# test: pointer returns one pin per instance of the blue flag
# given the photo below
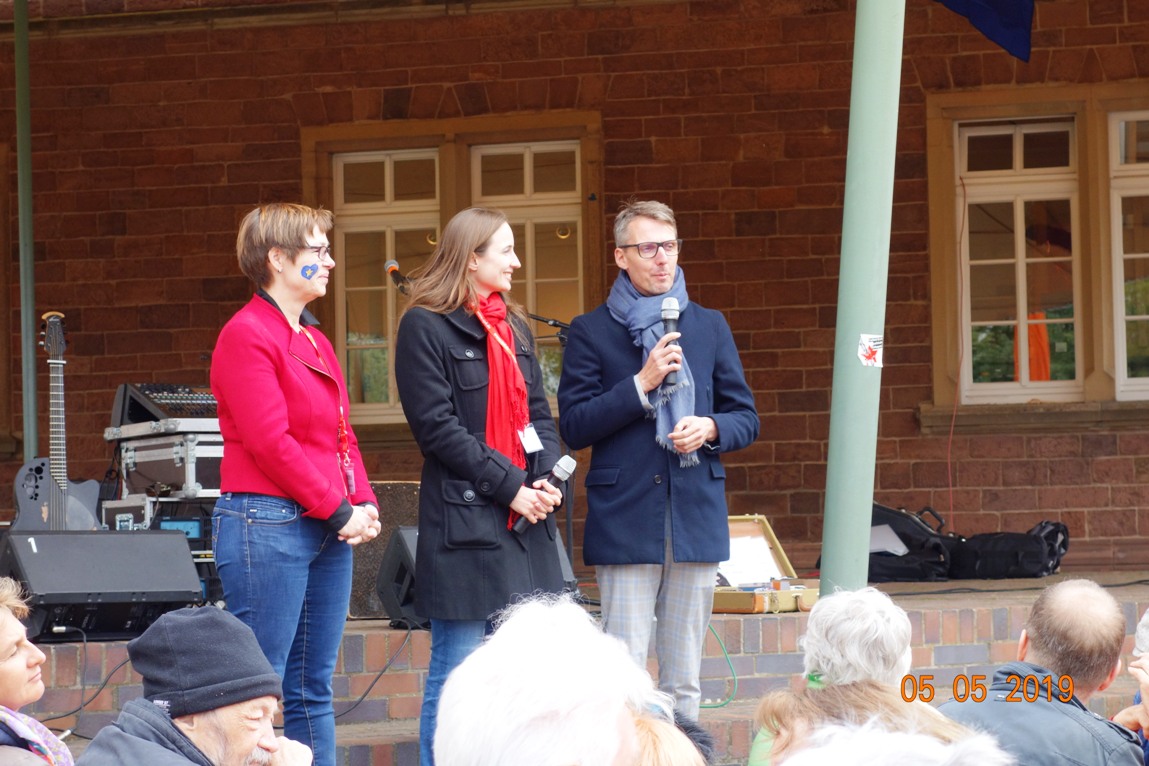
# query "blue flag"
(1007, 22)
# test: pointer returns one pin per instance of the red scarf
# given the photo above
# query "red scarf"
(507, 411)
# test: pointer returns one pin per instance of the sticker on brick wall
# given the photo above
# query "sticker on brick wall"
(870, 350)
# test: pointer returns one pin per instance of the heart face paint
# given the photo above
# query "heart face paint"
(309, 271)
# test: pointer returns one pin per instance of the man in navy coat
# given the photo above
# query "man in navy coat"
(656, 525)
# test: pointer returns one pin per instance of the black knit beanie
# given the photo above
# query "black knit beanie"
(199, 659)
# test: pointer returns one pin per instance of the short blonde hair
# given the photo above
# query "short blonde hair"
(661, 743)
(635, 208)
(12, 597)
(280, 224)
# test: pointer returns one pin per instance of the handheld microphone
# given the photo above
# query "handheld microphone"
(670, 324)
(562, 471)
(392, 268)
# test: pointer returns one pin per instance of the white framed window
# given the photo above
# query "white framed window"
(1129, 232)
(537, 186)
(389, 206)
(1037, 255)
(1020, 285)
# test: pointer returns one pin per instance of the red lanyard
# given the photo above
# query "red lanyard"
(491, 331)
(341, 428)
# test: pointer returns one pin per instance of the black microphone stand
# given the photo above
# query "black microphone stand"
(561, 328)
(562, 333)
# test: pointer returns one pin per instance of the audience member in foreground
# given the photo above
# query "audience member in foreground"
(661, 743)
(1136, 717)
(1069, 650)
(871, 745)
(23, 739)
(210, 696)
(856, 652)
(547, 688)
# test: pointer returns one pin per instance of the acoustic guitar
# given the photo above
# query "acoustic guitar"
(45, 498)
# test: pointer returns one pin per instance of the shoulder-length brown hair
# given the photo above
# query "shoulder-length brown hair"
(444, 283)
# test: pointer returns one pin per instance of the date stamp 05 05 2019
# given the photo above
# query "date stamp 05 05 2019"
(973, 688)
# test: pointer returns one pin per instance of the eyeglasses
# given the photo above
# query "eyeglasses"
(321, 251)
(647, 250)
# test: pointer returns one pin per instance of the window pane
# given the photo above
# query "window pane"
(363, 257)
(1051, 351)
(551, 361)
(993, 354)
(415, 179)
(1137, 349)
(367, 379)
(1049, 267)
(989, 152)
(1134, 137)
(413, 247)
(557, 300)
(556, 250)
(519, 282)
(1135, 225)
(554, 171)
(1136, 287)
(1048, 226)
(993, 293)
(1045, 149)
(365, 182)
(366, 320)
(501, 174)
(991, 232)
(1049, 289)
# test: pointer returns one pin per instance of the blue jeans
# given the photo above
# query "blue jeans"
(451, 642)
(289, 579)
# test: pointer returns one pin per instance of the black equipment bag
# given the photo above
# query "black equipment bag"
(996, 555)
(928, 558)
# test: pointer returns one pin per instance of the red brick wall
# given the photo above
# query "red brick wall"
(149, 147)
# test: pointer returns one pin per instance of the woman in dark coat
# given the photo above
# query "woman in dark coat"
(473, 395)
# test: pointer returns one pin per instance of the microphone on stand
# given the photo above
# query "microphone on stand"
(392, 268)
(562, 471)
(670, 324)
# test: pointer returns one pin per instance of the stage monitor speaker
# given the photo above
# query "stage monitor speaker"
(401, 499)
(110, 585)
(395, 582)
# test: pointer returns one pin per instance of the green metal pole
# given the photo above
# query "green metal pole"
(28, 327)
(874, 93)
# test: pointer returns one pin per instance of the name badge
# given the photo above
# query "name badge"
(530, 439)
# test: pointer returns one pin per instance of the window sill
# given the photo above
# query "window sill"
(1041, 417)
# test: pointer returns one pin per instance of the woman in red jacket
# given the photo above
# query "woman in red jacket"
(294, 493)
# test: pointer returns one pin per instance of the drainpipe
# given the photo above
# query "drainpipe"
(28, 327)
